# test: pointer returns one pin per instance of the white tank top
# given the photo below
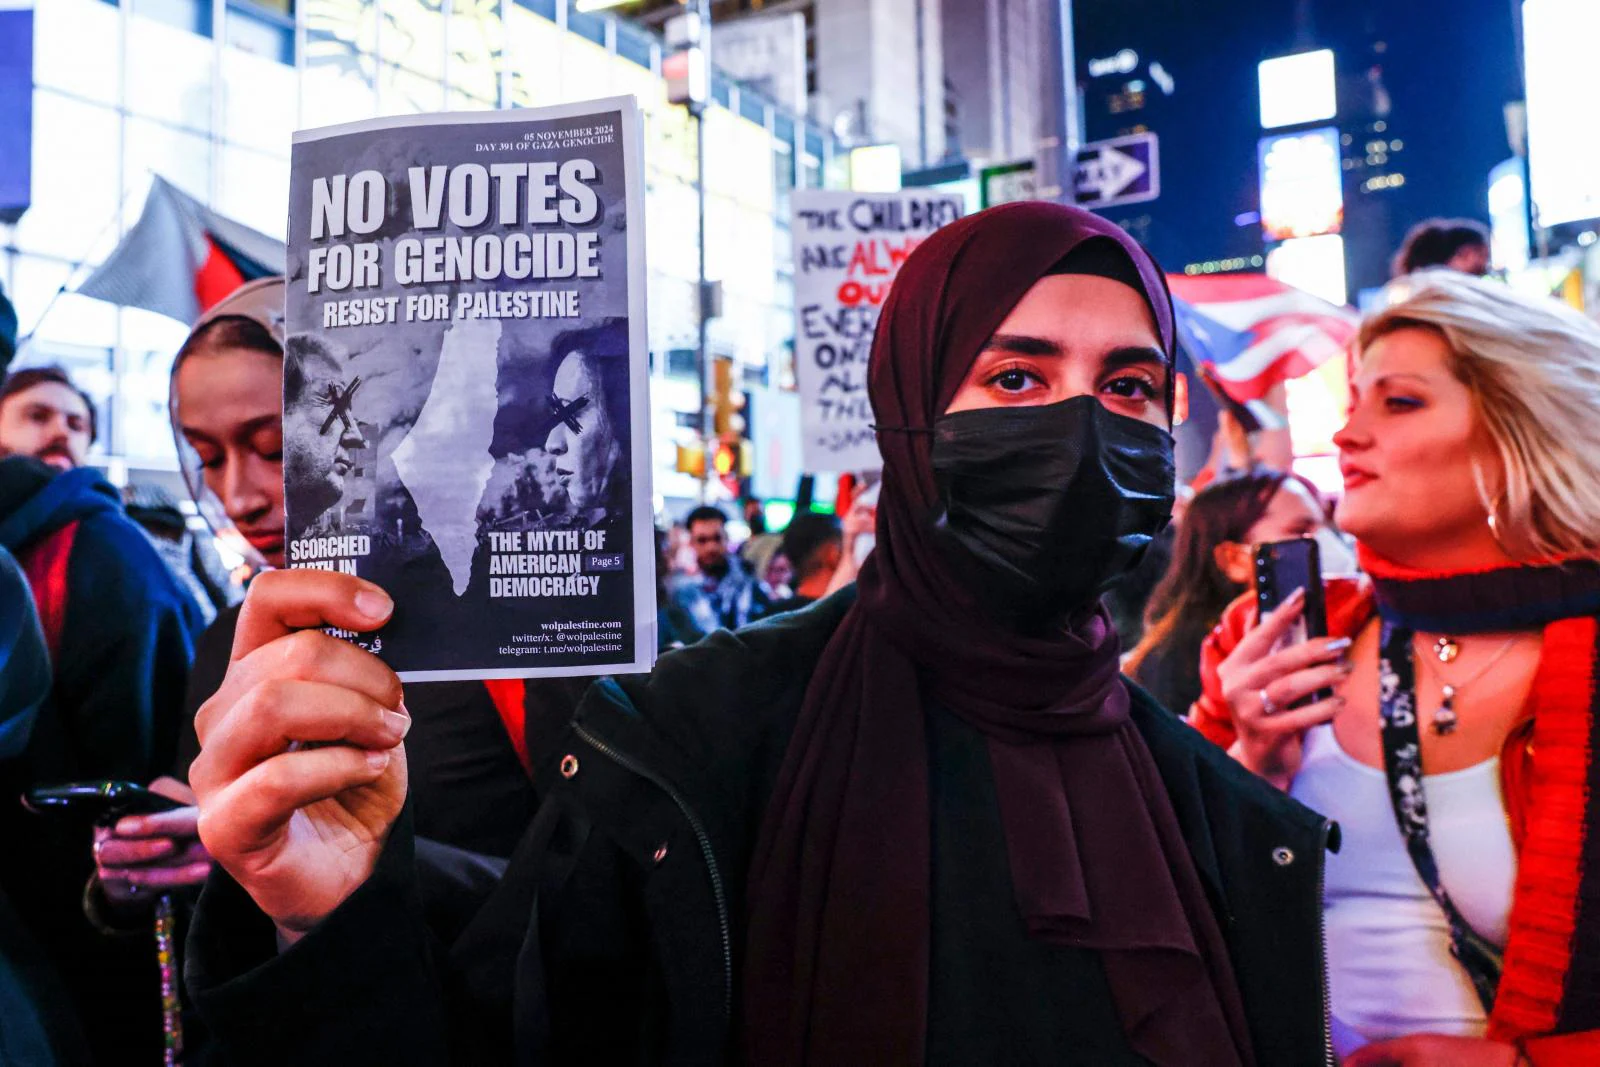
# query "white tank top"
(1389, 965)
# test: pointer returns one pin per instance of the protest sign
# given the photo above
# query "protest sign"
(848, 248)
(466, 417)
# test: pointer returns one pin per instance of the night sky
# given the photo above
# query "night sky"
(1448, 70)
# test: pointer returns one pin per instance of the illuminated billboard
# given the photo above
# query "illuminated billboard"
(1314, 264)
(1297, 89)
(1302, 186)
(1508, 215)
(1563, 137)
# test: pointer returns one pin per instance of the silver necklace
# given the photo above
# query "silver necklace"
(1445, 650)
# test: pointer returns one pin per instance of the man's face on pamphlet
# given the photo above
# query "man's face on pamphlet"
(582, 440)
(326, 419)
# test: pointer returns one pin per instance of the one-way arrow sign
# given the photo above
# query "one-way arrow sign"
(1122, 170)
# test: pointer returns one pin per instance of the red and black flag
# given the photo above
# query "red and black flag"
(181, 257)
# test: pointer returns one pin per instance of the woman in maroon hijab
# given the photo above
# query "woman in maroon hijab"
(924, 821)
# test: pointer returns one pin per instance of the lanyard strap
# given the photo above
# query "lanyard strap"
(1402, 765)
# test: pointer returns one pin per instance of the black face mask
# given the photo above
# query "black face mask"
(1052, 503)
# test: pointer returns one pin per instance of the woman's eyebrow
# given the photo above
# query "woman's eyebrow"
(1023, 345)
(1399, 376)
(260, 422)
(1133, 355)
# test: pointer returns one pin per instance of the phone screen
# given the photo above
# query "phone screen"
(108, 799)
(1281, 568)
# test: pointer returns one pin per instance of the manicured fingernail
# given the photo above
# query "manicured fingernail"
(374, 603)
(132, 826)
(377, 760)
(396, 722)
(1338, 645)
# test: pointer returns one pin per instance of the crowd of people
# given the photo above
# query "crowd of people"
(901, 789)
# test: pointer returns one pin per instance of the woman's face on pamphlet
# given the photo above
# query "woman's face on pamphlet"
(582, 441)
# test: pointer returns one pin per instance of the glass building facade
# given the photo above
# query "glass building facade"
(206, 93)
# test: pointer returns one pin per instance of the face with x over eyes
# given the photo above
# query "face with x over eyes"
(583, 440)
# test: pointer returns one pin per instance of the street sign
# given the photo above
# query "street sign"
(1007, 182)
(1122, 170)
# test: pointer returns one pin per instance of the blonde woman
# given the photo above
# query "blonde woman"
(1449, 723)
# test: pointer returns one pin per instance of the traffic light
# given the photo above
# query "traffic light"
(726, 400)
(733, 461)
(692, 459)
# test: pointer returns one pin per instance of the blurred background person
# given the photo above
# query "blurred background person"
(1455, 750)
(722, 594)
(44, 415)
(814, 545)
(763, 556)
(671, 624)
(680, 550)
(1459, 244)
(1211, 565)
(755, 516)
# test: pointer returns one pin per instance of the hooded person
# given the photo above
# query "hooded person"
(922, 821)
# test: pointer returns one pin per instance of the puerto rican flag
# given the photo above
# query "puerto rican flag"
(1254, 331)
(181, 257)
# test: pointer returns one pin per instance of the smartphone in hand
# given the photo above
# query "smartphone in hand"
(1281, 568)
(104, 801)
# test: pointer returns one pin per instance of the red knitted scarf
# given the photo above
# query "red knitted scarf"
(1551, 982)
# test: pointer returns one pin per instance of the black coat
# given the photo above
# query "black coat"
(614, 933)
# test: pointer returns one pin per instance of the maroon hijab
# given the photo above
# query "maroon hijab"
(836, 964)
